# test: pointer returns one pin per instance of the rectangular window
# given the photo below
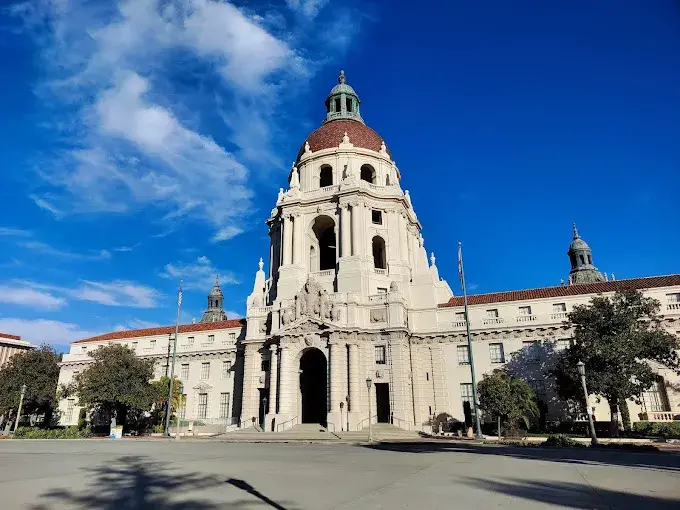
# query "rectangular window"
(463, 354)
(205, 371)
(202, 405)
(224, 405)
(183, 374)
(84, 349)
(655, 398)
(152, 344)
(382, 290)
(211, 339)
(531, 351)
(380, 354)
(466, 392)
(134, 347)
(673, 298)
(539, 389)
(264, 365)
(496, 353)
(563, 343)
(559, 307)
(337, 105)
(190, 341)
(525, 310)
(348, 104)
(226, 369)
(492, 314)
(427, 376)
(376, 217)
(232, 336)
(183, 409)
(70, 404)
(460, 316)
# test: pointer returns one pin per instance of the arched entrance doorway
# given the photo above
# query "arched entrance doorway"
(313, 387)
(322, 252)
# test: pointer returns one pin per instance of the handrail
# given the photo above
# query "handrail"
(360, 425)
(279, 426)
(249, 420)
(402, 424)
(328, 424)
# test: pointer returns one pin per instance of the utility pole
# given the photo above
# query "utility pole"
(172, 366)
(21, 403)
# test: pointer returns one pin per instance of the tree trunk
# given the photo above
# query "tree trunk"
(499, 427)
(625, 415)
(614, 420)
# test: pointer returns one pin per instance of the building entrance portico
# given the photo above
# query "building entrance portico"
(313, 387)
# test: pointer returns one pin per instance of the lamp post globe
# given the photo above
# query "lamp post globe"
(581, 368)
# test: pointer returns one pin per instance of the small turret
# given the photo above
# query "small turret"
(215, 311)
(581, 259)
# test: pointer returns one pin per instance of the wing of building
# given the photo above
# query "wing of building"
(351, 300)
(10, 345)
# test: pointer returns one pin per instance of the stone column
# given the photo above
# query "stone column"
(287, 240)
(297, 238)
(287, 378)
(355, 229)
(335, 376)
(273, 380)
(354, 378)
(345, 242)
(251, 372)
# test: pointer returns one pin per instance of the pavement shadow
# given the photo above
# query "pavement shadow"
(662, 461)
(137, 483)
(572, 495)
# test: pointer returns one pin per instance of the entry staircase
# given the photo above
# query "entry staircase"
(317, 433)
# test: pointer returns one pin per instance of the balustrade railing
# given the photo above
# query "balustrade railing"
(558, 316)
(380, 271)
(377, 298)
(261, 310)
(525, 318)
(492, 320)
(673, 306)
(457, 324)
(323, 191)
(324, 273)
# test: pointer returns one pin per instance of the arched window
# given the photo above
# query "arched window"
(379, 261)
(590, 261)
(326, 176)
(368, 173)
(581, 257)
(387, 183)
(348, 104)
(324, 233)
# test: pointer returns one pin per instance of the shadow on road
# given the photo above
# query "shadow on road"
(663, 461)
(136, 483)
(573, 495)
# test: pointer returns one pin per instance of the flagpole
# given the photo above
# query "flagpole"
(461, 272)
(172, 365)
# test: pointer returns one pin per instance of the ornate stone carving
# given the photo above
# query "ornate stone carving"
(313, 301)
(288, 315)
(378, 315)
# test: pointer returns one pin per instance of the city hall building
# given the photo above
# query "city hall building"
(352, 313)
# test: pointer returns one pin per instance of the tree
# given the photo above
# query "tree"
(160, 390)
(116, 383)
(508, 398)
(38, 369)
(616, 338)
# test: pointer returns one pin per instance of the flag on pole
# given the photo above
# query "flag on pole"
(460, 262)
(179, 297)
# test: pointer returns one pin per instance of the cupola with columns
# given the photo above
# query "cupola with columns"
(581, 260)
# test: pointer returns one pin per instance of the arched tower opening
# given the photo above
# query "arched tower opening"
(379, 259)
(325, 176)
(368, 173)
(324, 245)
(313, 387)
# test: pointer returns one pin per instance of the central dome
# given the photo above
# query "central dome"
(330, 135)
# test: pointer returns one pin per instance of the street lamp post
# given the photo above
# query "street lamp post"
(582, 373)
(369, 383)
(342, 423)
(21, 403)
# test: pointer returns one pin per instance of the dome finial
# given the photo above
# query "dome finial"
(341, 77)
(217, 281)
(576, 236)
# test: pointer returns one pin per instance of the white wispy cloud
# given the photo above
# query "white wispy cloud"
(132, 139)
(126, 248)
(65, 254)
(136, 324)
(39, 331)
(14, 232)
(25, 296)
(199, 274)
(114, 293)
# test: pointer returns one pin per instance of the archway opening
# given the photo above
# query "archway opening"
(368, 173)
(313, 387)
(326, 176)
(379, 259)
(324, 231)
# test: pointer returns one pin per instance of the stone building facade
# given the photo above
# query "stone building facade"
(11, 345)
(352, 306)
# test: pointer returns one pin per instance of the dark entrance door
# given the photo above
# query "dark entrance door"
(382, 402)
(264, 397)
(313, 386)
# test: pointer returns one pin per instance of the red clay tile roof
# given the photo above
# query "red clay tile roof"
(567, 290)
(166, 330)
(330, 135)
(11, 337)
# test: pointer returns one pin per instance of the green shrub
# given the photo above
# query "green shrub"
(666, 430)
(562, 441)
(82, 419)
(60, 433)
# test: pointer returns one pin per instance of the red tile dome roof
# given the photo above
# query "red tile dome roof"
(330, 135)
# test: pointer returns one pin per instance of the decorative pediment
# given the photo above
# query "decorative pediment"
(304, 326)
(203, 386)
(312, 301)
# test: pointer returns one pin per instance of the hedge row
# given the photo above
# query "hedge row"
(665, 430)
(61, 433)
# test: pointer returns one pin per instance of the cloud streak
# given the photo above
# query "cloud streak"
(199, 274)
(39, 331)
(23, 296)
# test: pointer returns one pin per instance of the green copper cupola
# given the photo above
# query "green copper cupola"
(343, 102)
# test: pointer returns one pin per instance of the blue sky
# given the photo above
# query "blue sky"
(145, 141)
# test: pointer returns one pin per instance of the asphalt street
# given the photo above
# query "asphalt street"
(197, 474)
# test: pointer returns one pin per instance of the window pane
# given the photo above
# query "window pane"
(496, 353)
(226, 369)
(531, 350)
(559, 307)
(184, 373)
(492, 314)
(224, 405)
(205, 370)
(466, 392)
(380, 354)
(202, 405)
(463, 354)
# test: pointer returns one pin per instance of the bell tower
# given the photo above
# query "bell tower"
(581, 260)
